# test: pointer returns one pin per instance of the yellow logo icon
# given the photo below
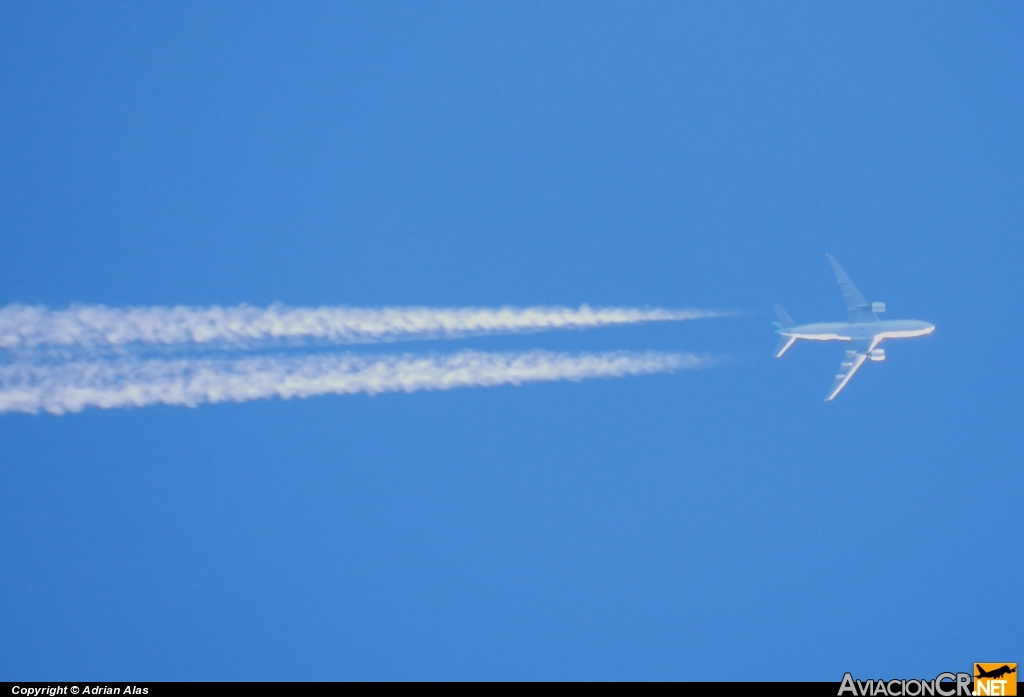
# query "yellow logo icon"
(995, 679)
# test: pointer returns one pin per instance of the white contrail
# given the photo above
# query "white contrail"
(97, 326)
(122, 382)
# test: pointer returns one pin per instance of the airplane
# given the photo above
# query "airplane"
(862, 328)
(997, 673)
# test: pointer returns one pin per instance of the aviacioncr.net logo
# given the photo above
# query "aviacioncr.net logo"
(995, 679)
(942, 685)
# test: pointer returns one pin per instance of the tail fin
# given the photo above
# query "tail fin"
(784, 319)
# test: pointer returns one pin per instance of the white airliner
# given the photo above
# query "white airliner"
(862, 328)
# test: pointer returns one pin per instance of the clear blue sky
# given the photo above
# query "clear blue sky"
(663, 154)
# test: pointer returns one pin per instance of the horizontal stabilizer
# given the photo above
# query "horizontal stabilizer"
(784, 319)
(784, 344)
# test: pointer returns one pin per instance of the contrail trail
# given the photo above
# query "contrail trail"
(97, 326)
(126, 381)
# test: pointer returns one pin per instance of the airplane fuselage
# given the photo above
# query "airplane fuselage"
(860, 331)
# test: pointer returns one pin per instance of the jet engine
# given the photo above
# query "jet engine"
(878, 355)
(878, 308)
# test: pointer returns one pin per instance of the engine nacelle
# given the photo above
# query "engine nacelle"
(877, 355)
(878, 308)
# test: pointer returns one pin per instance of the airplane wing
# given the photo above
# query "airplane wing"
(857, 308)
(853, 360)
